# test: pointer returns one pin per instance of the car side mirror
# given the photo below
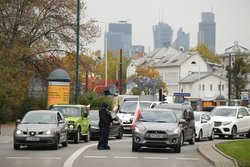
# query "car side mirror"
(203, 121)
(18, 121)
(85, 114)
(240, 116)
(61, 122)
(182, 121)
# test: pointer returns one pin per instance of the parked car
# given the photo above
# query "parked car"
(204, 126)
(116, 129)
(230, 121)
(183, 112)
(39, 128)
(158, 128)
(77, 117)
(127, 111)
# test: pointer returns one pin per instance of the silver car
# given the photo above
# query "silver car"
(41, 127)
(157, 128)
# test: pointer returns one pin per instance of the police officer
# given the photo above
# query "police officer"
(104, 123)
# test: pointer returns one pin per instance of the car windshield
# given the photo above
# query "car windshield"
(68, 111)
(129, 107)
(145, 105)
(197, 117)
(158, 116)
(39, 118)
(226, 112)
(94, 115)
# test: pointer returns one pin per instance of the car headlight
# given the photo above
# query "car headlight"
(71, 126)
(177, 131)
(227, 122)
(139, 129)
(48, 132)
(18, 132)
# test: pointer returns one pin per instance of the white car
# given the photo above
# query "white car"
(204, 126)
(231, 120)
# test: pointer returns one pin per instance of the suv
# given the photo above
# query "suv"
(230, 121)
(77, 117)
(183, 112)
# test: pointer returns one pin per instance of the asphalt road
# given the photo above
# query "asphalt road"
(86, 155)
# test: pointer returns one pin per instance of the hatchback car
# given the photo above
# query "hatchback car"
(204, 126)
(115, 130)
(41, 127)
(77, 117)
(158, 128)
(183, 112)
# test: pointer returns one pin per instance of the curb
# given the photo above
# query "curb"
(226, 156)
(205, 156)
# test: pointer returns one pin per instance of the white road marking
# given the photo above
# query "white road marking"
(189, 159)
(69, 162)
(95, 156)
(50, 158)
(18, 157)
(126, 157)
(157, 158)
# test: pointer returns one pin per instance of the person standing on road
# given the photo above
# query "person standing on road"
(104, 123)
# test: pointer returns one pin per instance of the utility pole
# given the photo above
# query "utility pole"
(120, 71)
(229, 80)
(77, 51)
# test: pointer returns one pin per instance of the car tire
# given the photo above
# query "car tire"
(65, 144)
(233, 132)
(87, 137)
(200, 136)
(120, 134)
(177, 148)
(248, 135)
(16, 147)
(135, 147)
(192, 141)
(212, 135)
(77, 136)
(182, 139)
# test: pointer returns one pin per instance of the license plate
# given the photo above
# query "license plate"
(126, 127)
(156, 136)
(32, 139)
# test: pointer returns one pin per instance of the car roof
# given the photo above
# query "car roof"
(233, 107)
(43, 111)
(173, 106)
(156, 109)
(68, 105)
(201, 112)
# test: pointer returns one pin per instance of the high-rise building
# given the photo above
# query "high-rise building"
(119, 37)
(207, 31)
(163, 35)
(182, 40)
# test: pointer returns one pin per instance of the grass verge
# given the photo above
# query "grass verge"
(239, 150)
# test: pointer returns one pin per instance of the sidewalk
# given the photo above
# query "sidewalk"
(7, 130)
(210, 152)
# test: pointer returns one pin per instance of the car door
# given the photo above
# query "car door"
(210, 125)
(114, 128)
(84, 120)
(245, 120)
(240, 121)
(187, 126)
(61, 127)
(204, 125)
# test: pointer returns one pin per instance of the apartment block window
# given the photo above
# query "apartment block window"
(199, 87)
(203, 87)
(211, 87)
(222, 87)
(219, 87)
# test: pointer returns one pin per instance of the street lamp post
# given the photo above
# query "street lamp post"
(77, 51)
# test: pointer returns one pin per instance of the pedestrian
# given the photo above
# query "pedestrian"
(104, 123)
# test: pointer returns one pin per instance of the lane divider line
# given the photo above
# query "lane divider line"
(50, 158)
(156, 158)
(126, 157)
(189, 159)
(18, 157)
(95, 156)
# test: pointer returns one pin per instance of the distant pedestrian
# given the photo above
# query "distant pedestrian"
(104, 123)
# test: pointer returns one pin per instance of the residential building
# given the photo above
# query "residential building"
(182, 40)
(119, 37)
(163, 35)
(207, 31)
(137, 49)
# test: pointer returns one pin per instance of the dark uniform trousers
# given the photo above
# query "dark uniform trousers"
(104, 135)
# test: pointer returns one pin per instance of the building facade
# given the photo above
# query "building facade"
(182, 40)
(207, 31)
(163, 35)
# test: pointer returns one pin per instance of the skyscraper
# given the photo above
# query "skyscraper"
(163, 35)
(119, 37)
(207, 31)
(182, 40)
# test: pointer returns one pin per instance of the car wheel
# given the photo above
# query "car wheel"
(16, 147)
(200, 136)
(182, 138)
(135, 147)
(120, 134)
(87, 137)
(192, 141)
(248, 135)
(77, 136)
(65, 144)
(212, 135)
(233, 132)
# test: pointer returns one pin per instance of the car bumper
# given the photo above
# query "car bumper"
(94, 132)
(35, 141)
(127, 128)
(169, 141)
(223, 130)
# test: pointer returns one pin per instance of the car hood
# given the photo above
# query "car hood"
(94, 122)
(221, 118)
(158, 126)
(75, 119)
(125, 117)
(36, 127)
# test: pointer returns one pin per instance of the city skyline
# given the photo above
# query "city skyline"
(231, 19)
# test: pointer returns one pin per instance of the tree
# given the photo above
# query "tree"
(147, 79)
(204, 51)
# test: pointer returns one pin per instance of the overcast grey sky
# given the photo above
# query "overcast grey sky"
(232, 19)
